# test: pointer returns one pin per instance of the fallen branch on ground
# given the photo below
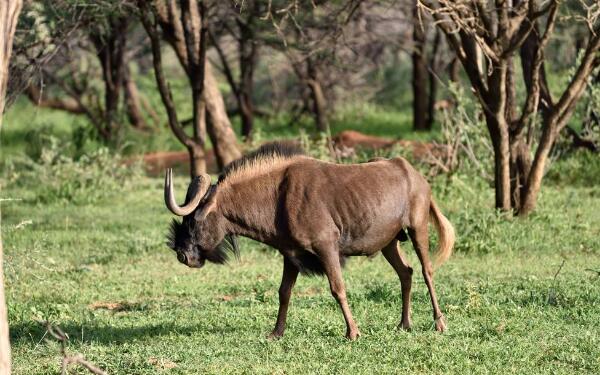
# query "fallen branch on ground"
(67, 359)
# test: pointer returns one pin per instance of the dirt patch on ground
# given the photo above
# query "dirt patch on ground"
(156, 162)
(162, 363)
(114, 306)
(355, 139)
(345, 144)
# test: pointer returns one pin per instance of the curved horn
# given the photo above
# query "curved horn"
(199, 186)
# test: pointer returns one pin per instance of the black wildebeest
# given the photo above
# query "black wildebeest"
(315, 213)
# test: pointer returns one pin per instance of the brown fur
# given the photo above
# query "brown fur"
(317, 213)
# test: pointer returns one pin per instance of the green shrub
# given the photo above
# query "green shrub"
(57, 176)
(580, 168)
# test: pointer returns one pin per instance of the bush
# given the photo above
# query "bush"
(56, 176)
(580, 168)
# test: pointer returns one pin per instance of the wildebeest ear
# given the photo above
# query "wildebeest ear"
(206, 208)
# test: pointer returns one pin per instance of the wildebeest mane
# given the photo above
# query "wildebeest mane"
(177, 234)
(180, 232)
(265, 153)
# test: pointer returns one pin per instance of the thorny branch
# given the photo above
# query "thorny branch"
(67, 359)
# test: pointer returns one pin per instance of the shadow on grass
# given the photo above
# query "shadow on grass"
(33, 333)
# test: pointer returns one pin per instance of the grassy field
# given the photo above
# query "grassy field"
(520, 295)
(101, 271)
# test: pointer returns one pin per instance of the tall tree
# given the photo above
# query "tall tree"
(424, 71)
(419, 72)
(69, 46)
(498, 31)
(241, 23)
(9, 14)
(184, 26)
(110, 44)
(309, 35)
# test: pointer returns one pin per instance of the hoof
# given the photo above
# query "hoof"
(275, 335)
(353, 335)
(405, 326)
(440, 324)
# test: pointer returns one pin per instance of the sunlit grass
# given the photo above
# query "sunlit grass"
(506, 310)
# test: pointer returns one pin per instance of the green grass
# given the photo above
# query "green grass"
(27, 127)
(505, 309)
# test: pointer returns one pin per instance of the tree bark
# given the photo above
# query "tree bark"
(197, 160)
(319, 103)
(433, 79)
(110, 49)
(419, 77)
(454, 70)
(498, 129)
(503, 29)
(192, 56)
(35, 95)
(219, 128)
(500, 141)
(520, 165)
(248, 56)
(133, 102)
(519, 153)
(9, 15)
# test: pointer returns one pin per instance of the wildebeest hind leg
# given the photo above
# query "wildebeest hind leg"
(420, 240)
(398, 261)
(333, 269)
(290, 274)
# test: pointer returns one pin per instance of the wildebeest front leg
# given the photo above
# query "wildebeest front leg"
(396, 259)
(333, 269)
(420, 240)
(290, 274)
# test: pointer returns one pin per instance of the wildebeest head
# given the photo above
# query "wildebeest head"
(199, 236)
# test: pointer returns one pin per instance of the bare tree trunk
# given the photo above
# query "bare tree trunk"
(511, 136)
(133, 102)
(318, 98)
(197, 160)
(419, 77)
(498, 128)
(248, 57)
(189, 39)
(219, 128)
(518, 150)
(556, 121)
(433, 79)
(189, 42)
(9, 15)
(454, 70)
(520, 165)
(527, 52)
(36, 96)
(499, 134)
(110, 49)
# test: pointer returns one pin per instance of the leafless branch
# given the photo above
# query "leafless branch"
(163, 86)
(69, 359)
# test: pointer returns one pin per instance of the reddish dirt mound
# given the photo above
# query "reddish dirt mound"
(156, 162)
(354, 139)
(348, 141)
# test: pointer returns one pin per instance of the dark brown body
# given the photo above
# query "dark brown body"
(311, 203)
(316, 213)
